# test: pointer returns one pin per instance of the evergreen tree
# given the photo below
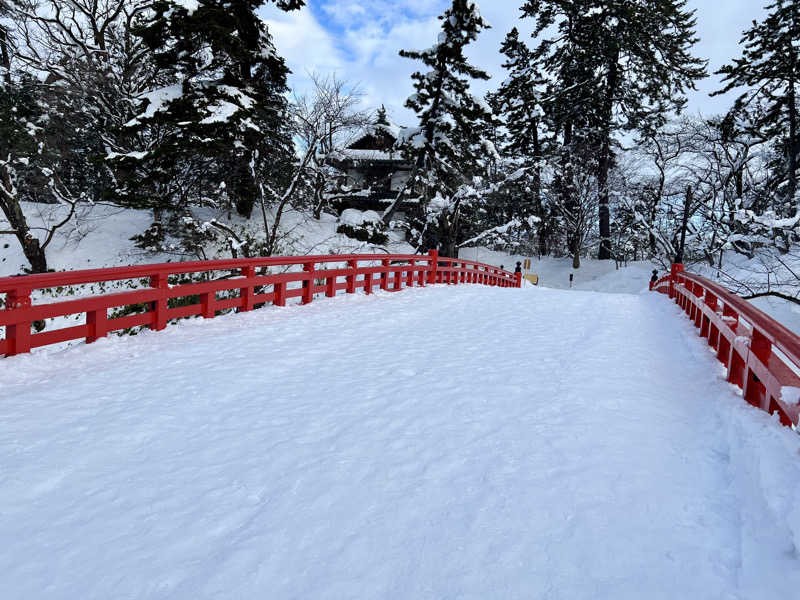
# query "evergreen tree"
(518, 101)
(638, 54)
(447, 149)
(229, 104)
(382, 118)
(769, 67)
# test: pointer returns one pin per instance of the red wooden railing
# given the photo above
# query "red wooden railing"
(248, 283)
(761, 355)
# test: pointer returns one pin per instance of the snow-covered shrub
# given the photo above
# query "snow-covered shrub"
(365, 226)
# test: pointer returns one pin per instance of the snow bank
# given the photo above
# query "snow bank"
(356, 218)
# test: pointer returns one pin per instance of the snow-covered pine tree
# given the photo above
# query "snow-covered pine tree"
(447, 149)
(381, 118)
(519, 104)
(570, 114)
(640, 51)
(769, 68)
(228, 104)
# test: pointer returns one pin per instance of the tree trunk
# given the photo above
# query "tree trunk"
(568, 190)
(604, 162)
(684, 224)
(5, 59)
(31, 246)
(792, 147)
(319, 196)
(541, 226)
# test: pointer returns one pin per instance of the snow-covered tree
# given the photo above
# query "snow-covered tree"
(637, 65)
(768, 71)
(228, 102)
(519, 103)
(447, 148)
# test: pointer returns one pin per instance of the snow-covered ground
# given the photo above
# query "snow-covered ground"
(604, 276)
(451, 442)
(593, 275)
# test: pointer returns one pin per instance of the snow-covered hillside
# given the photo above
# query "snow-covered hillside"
(537, 451)
(101, 237)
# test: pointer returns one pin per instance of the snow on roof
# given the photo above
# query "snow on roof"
(369, 154)
(376, 129)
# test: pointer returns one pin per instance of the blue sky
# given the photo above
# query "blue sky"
(359, 41)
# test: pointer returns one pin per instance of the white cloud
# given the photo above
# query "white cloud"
(360, 40)
(305, 44)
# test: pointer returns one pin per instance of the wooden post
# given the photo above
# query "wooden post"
(247, 293)
(279, 294)
(434, 266)
(97, 320)
(330, 286)
(19, 333)
(160, 281)
(308, 284)
(385, 274)
(351, 277)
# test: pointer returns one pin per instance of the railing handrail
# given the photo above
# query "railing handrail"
(77, 277)
(747, 353)
(778, 334)
(393, 271)
(82, 276)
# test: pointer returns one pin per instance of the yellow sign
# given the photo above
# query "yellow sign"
(527, 264)
(533, 278)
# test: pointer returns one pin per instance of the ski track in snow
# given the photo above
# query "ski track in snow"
(451, 442)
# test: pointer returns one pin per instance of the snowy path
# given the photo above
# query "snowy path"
(459, 442)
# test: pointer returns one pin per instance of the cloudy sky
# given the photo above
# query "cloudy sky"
(359, 41)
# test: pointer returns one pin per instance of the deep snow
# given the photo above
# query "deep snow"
(451, 442)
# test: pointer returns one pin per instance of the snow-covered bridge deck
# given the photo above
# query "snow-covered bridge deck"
(446, 442)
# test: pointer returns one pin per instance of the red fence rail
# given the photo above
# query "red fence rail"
(761, 355)
(245, 285)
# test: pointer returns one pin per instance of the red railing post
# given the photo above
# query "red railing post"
(308, 284)
(398, 281)
(208, 302)
(330, 286)
(247, 293)
(159, 281)
(434, 266)
(351, 277)
(385, 263)
(279, 293)
(97, 320)
(19, 333)
(518, 280)
(368, 279)
(673, 276)
(754, 390)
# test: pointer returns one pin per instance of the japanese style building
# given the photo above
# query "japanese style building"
(374, 172)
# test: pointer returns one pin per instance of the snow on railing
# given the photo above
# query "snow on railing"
(761, 355)
(162, 292)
